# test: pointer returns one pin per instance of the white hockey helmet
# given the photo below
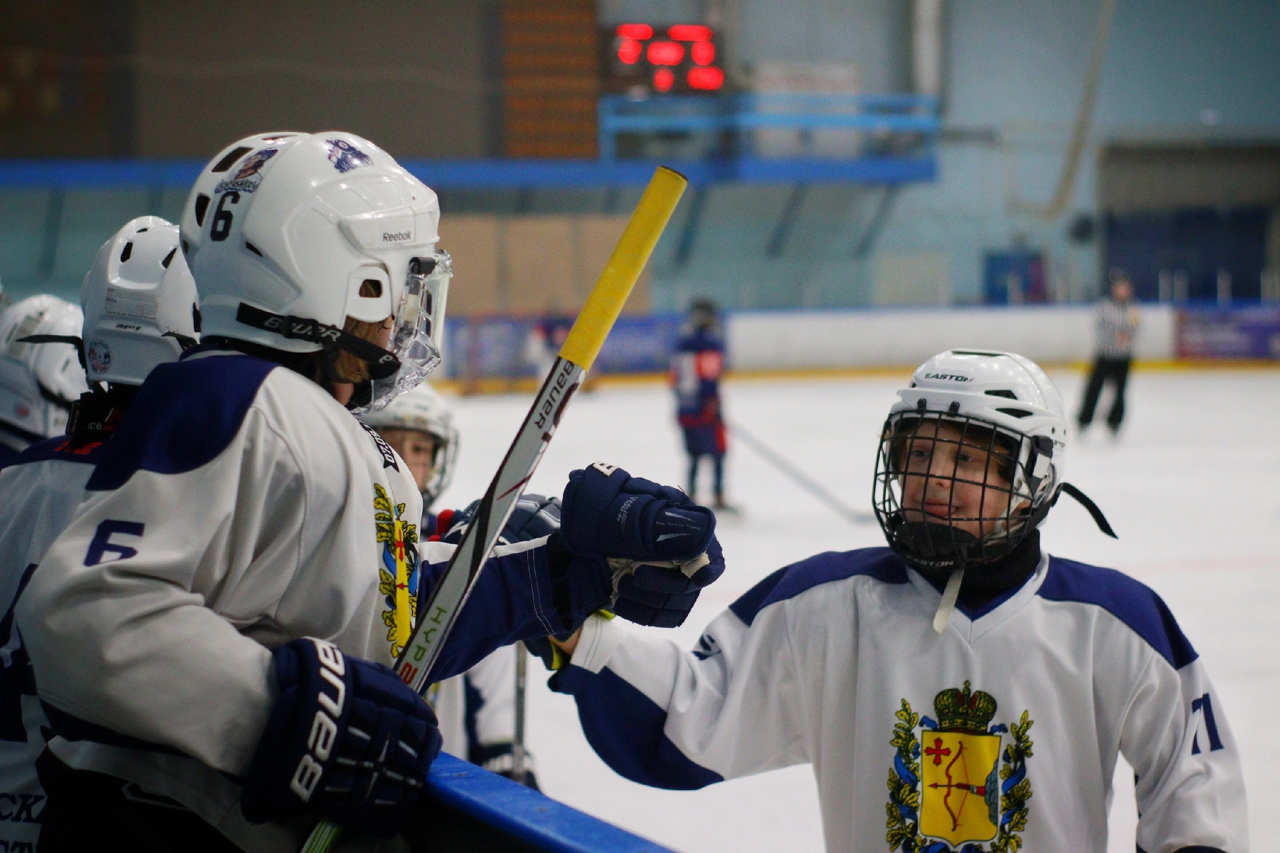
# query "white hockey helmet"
(1000, 401)
(289, 234)
(423, 409)
(39, 383)
(139, 303)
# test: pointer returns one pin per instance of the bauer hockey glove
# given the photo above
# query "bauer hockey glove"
(641, 550)
(346, 739)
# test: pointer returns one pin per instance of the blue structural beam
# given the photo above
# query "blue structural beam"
(538, 821)
(494, 174)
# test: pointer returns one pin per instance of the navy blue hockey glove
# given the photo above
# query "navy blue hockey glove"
(347, 739)
(641, 550)
(534, 516)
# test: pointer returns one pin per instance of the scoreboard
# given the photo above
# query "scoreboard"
(643, 59)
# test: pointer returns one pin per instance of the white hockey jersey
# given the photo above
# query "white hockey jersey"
(39, 491)
(477, 709)
(237, 508)
(1006, 727)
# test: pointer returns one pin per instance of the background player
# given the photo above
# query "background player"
(41, 488)
(211, 627)
(38, 384)
(477, 709)
(998, 726)
(696, 368)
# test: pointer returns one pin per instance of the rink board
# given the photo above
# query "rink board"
(478, 811)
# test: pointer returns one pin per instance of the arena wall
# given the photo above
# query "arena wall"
(896, 337)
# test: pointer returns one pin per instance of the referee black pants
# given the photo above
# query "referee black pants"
(1114, 370)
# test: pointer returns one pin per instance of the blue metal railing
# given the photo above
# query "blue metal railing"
(879, 114)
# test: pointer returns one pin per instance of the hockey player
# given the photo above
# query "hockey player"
(997, 722)
(139, 311)
(477, 709)
(38, 384)
(210, 633)
(695, 373)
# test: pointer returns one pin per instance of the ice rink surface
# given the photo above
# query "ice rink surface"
(1192, 487)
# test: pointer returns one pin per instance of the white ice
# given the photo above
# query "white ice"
(1192, 487)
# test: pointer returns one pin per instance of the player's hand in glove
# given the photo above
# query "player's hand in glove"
(347, 739)
(534, 516)
(642, 550)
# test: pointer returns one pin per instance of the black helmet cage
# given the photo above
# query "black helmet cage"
(1024, 477)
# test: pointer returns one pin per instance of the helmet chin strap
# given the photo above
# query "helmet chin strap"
(948, 603)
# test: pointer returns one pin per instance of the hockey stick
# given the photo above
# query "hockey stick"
(517, 742)
(580, 349)
(808, 483)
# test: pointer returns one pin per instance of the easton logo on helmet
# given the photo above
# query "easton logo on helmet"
(949, 377)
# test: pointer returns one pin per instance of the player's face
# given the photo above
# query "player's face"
(953, 482)
(417, 449)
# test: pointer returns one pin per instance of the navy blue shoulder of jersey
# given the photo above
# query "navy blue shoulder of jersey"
(63, 448)
(186, 413)
(828, 567)
(7, 455)
(1133, 603)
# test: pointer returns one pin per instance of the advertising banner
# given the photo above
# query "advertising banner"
(1237, 332)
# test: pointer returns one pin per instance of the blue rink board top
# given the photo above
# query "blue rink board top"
(527, 814)
(497, 174)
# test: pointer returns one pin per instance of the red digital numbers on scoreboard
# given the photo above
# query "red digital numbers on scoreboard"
(642, 59)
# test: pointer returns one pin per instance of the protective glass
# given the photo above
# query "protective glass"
(951, 491)
(417, 331)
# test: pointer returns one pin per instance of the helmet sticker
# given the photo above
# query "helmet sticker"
(344, 156)
(99, 356)
(249, 175)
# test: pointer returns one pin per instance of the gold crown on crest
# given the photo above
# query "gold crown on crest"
(960, 709)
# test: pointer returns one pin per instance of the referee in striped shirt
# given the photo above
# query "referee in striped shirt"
(1116, 327)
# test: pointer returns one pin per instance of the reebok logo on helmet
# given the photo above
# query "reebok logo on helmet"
(397, 237)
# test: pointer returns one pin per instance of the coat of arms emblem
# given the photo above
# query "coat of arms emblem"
(398, 575)
(953, 789)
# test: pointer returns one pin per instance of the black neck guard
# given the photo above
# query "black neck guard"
(982, 584)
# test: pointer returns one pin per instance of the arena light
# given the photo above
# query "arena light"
(629, 51)
(639, 32)
(665, 53)
(703, 52)
(706, 78)
(664, 79)
(689, 32)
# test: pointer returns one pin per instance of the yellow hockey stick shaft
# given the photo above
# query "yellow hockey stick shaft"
(625, 264)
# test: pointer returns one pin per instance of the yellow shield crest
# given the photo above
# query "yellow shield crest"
(960, 786)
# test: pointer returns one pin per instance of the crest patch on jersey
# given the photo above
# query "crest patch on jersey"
(344, 156)
(398, 574)
(953, 789)
(249, 175)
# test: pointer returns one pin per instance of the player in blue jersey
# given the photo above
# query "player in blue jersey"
(959, 691)
(139, 307)
(696, 368)
(212, 633)
(38, 384)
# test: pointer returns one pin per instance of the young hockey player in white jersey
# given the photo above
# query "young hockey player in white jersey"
(38, 384)
(476, 710)
(139, 311)
(209, 635)
(991, 685)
